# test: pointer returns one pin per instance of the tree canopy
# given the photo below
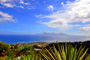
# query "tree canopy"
(4, 47)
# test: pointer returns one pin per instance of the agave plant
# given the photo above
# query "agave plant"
(65, 52)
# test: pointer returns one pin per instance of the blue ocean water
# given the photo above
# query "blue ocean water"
(11, 39)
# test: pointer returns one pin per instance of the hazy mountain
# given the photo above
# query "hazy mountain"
(64, 37)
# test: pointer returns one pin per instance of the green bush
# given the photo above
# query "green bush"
(25, 50)
(4, 47)
(10, 53)
(16, 47)
(29, 52)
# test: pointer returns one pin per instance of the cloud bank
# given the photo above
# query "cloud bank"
(74, 12)
(13, 3)
(6, 17)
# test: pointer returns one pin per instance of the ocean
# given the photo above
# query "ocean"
(12, 39)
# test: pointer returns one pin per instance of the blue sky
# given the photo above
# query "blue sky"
(52, 16)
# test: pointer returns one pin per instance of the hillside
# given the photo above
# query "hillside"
(35, 44)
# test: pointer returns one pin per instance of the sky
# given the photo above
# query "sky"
(70, 17)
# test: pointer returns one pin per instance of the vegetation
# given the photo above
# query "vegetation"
(61, 52)
(25, 50)
(28, 57)
(4, 48)
(66, 52)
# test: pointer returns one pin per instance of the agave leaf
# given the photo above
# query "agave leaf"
(53, 53)
(63, 53)
(33, 57)
(83, 54)
(60, 51)
(66, 52)
(50, 54)
(47, 58)
(57, 54)
(74, 53)
(88, 58)
(78, 53)
(28, 57)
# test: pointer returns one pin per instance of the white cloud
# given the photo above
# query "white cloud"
(62, 3)
(6, 17)
(56, 23)
(8, 5)
(12, 3)
(50, 8)
(84, 29)
(38, 15)
(21, 6)
(5, 1)
(78, 11)
(22, 2)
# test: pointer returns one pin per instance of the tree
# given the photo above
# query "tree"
(4, 47)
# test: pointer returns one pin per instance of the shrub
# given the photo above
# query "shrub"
(4, 47)
(65, 52)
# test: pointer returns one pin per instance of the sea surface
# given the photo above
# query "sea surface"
(12, 39)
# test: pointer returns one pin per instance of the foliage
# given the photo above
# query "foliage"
(10, 53)
(65, 52)
(16, 46)
(8, 58)
(4, 47)
(29, 52)
(62, 52)
(26, 50)
(28, 57)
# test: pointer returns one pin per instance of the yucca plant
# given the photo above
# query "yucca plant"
(65, 52)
